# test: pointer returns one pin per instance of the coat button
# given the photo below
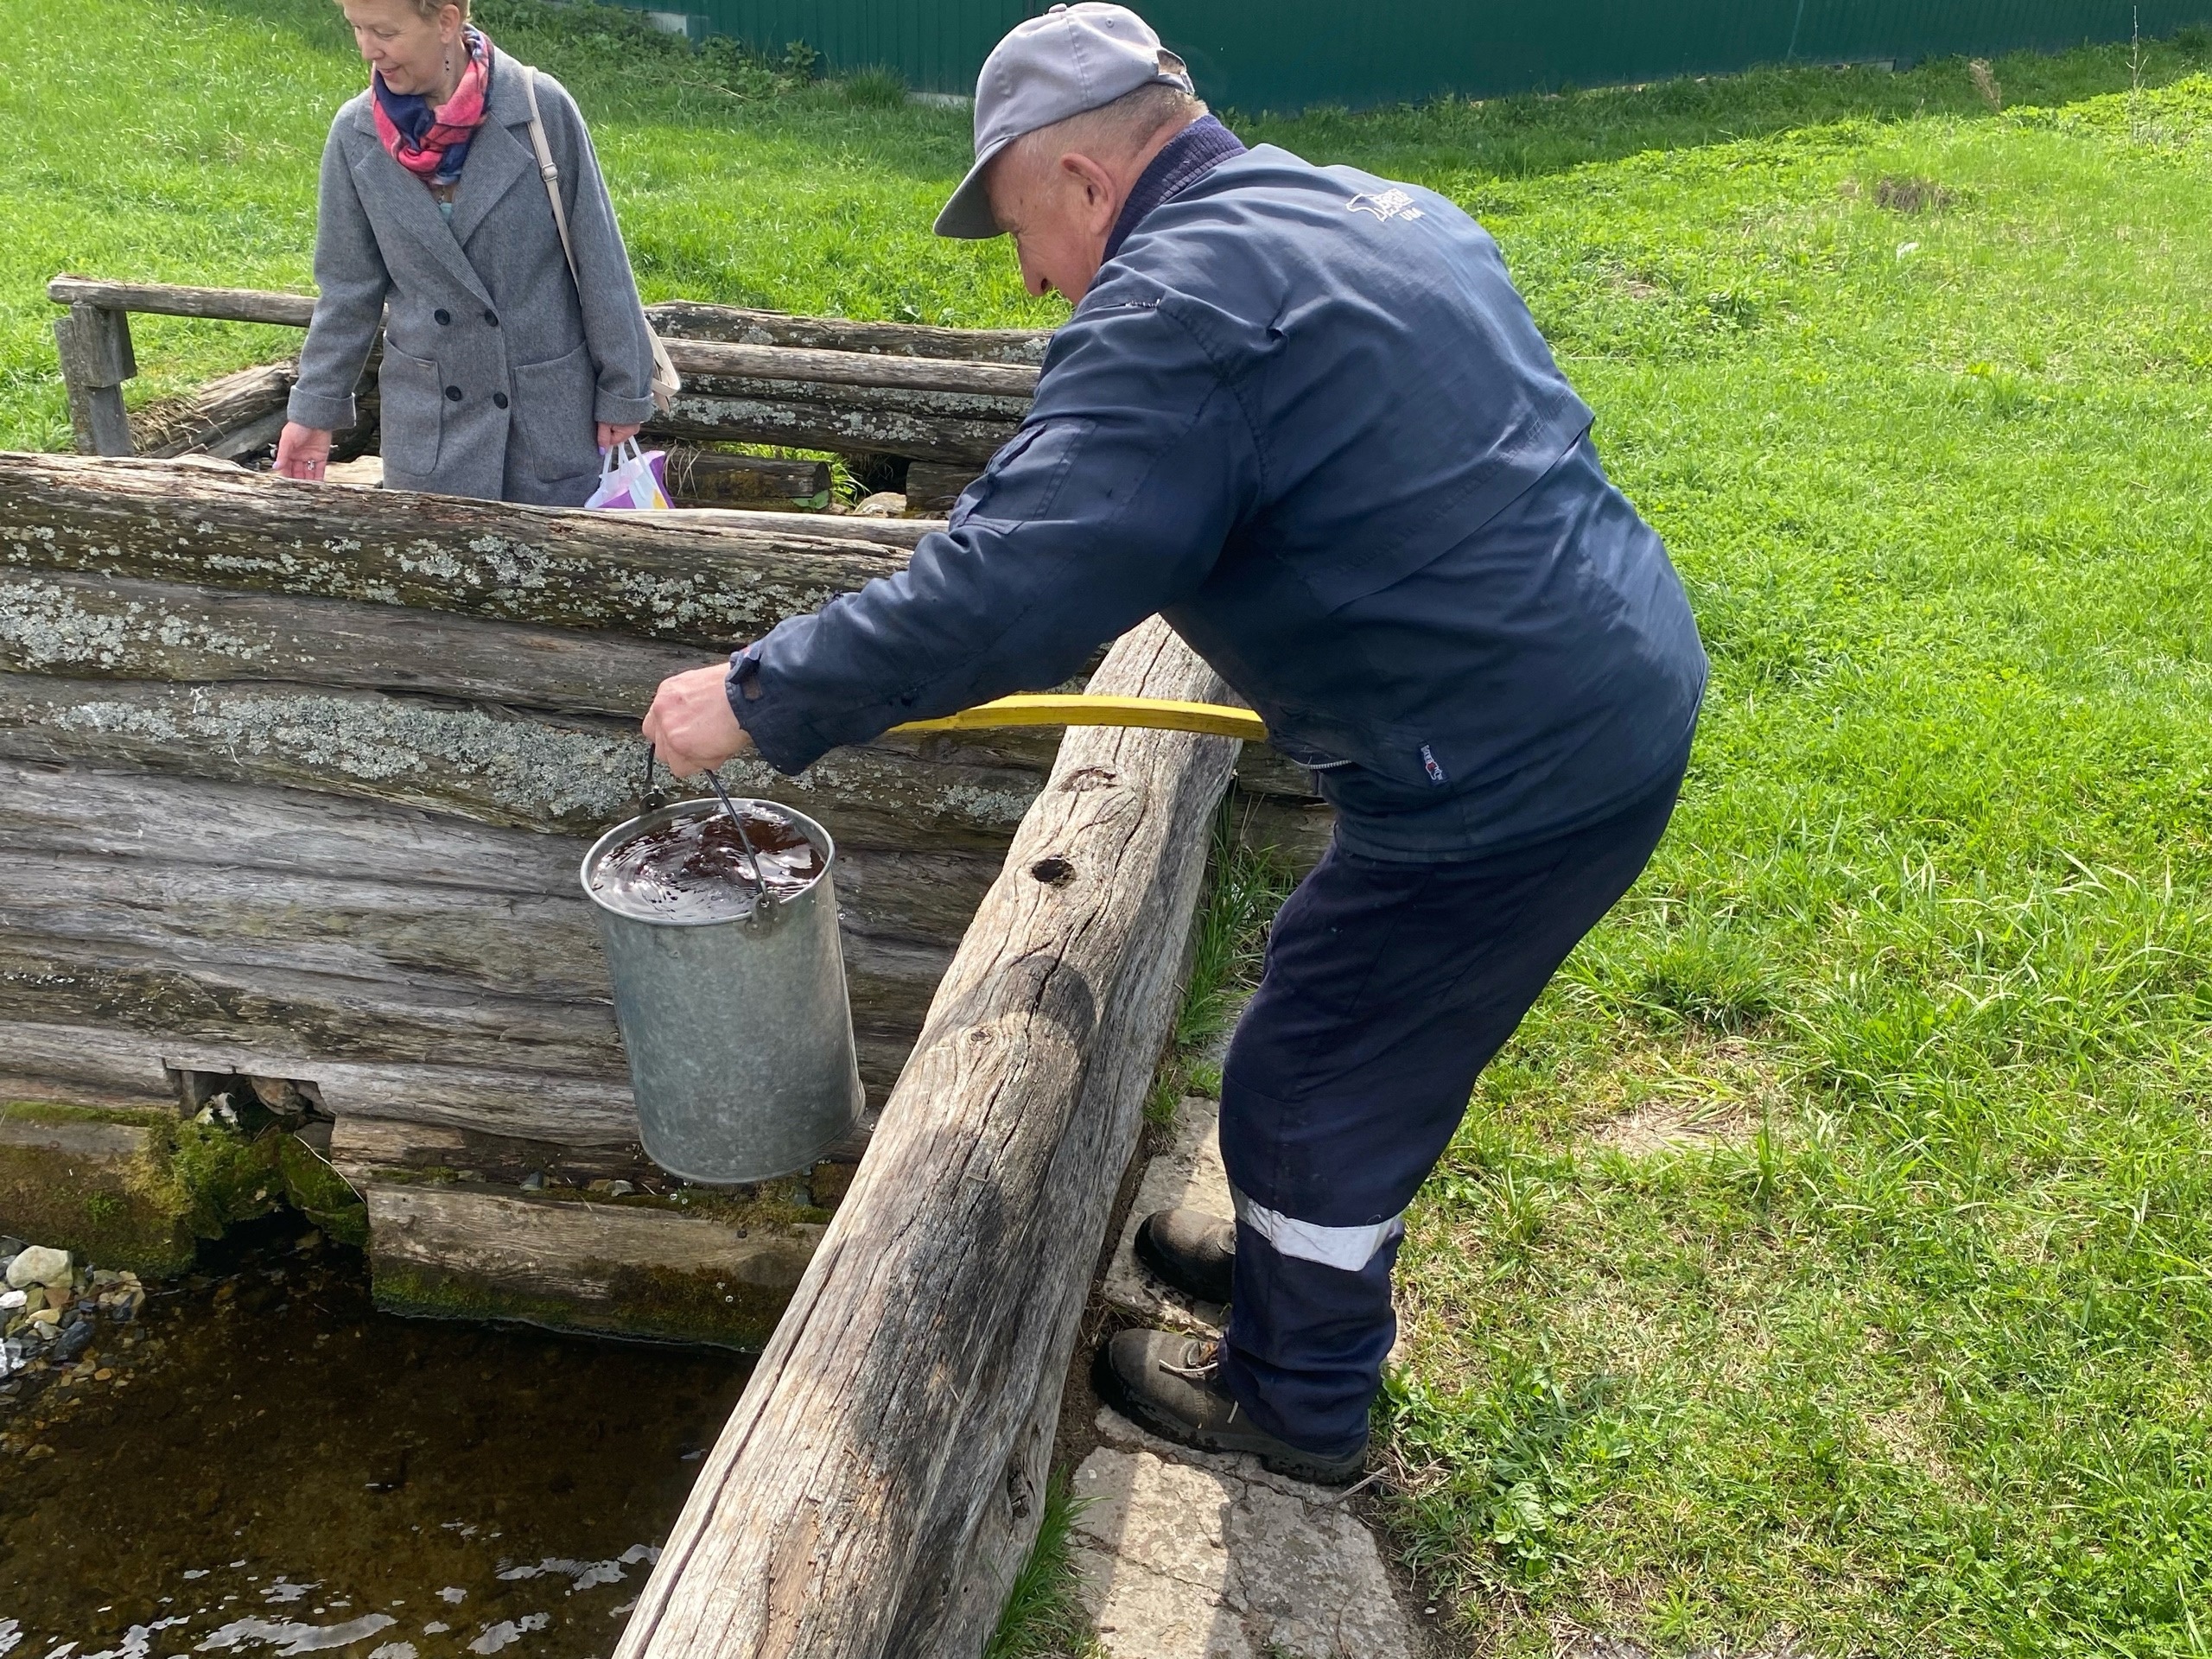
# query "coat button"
(493, 318)
(499, 400)
(443, 315)
(454, 393)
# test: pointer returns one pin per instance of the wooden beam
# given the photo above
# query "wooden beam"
(226, 417)
(664, 576)
(699, 478)
(94, 344)
(168, 300)
(838, 1514)
(673, 320)
(920, 896)
(565, 774)
(694, 320)
(631, 1268)
(933, 488)
(729, 358)
(926, 426)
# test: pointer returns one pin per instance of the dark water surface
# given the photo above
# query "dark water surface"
(700, 869)
(276, 1468)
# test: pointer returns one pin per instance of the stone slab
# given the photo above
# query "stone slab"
(1188, 1176)
(1192, 1558)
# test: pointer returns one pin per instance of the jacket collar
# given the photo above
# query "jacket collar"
(496, 160)
(1189, 156)
(499, 155)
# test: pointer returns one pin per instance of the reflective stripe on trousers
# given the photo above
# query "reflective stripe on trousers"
(1387, 988)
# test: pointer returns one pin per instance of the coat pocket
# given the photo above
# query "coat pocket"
(552, 435)
(411, 412)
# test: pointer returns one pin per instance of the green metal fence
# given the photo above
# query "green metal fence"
(1284, 55)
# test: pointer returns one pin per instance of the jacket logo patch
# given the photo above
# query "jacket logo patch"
(1391, 204)
(1428, 764)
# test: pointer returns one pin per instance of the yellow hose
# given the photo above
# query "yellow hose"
(1155, 713)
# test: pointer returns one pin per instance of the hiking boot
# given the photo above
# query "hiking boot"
(1172, 1385)
(1192, 1251)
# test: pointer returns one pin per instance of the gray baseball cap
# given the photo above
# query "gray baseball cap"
(1072, 59)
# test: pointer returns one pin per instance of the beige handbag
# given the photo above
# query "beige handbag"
(665, 383)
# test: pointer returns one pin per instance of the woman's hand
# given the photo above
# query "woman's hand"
(690, 725)
(611, 435)
(302, 452)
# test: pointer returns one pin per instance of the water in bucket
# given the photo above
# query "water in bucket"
(721, 932)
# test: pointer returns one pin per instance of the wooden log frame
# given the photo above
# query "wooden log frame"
(944, 395)
(696, 319)
(884, 1472)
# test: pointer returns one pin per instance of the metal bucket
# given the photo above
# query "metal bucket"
(739, 1033)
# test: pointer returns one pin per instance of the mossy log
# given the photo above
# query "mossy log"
(631, 1269)
(847, 1510)
(566, 774)
(674, 575)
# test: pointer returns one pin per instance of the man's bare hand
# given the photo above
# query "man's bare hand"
(690, 725)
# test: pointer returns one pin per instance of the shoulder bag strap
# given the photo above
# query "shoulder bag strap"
(549, 172)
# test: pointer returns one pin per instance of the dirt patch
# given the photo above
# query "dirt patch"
(1909, 195)
(1683, 1095)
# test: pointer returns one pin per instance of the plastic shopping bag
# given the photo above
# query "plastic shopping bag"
(629, 478)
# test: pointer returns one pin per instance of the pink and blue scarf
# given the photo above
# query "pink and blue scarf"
(433, 143)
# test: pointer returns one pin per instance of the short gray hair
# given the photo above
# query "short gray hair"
(1119, 128)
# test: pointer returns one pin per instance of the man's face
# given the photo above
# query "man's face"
(1059, 210)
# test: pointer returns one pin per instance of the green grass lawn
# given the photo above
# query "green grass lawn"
(1828, 1258)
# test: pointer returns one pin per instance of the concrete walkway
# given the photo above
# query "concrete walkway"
(1188, 1555)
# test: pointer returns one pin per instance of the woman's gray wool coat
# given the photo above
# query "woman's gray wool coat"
(493, 374)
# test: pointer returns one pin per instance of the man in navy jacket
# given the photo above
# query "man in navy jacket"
(1302, 413)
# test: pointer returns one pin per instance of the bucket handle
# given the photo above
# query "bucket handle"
(762, 896)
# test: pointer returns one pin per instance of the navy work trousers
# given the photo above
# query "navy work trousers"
(1387, 988)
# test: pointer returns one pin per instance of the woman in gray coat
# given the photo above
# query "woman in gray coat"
(503, 377)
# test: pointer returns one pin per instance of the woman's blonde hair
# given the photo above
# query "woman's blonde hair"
(428, 10)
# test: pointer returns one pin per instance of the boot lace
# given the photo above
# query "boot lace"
(1201, 1363)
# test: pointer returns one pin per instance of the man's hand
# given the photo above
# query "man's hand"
(690, 725)
(302, 451)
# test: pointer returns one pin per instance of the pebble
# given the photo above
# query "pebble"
(38, 1264)
(534, 1182)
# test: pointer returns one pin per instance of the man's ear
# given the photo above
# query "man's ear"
(1100, 195)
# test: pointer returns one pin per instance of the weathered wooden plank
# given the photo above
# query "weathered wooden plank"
(100, 626)
(145, 989)
(894, 893)
(627, 1267)
(695, 320)
(710, 477)
(44, 1061)
(673, 319)
(95, 347)
(361, 1148)
(872, 371)
(391, 939)
(225, 417)
(901, 533)
(931, 426)
(837, 1515)
(171, 300)
(1295, 832)
(562, 774)
(933, 488)
(676, 575)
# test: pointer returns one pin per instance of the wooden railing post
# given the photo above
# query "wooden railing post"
(879, 1482)
(96, 359)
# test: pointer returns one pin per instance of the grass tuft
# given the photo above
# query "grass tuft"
(1044, 1617)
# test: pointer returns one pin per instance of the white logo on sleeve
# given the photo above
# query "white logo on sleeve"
(1391, 204)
